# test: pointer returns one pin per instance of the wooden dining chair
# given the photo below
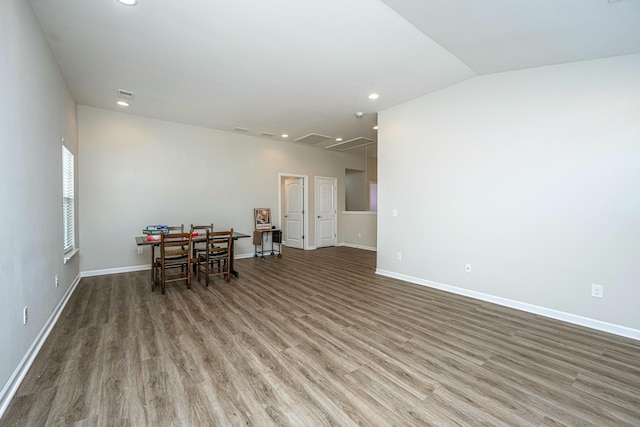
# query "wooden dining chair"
(199, 247)
(174, 261)
(216, 259)
(172, 229)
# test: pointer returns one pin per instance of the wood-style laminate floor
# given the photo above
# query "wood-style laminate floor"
(315, 339)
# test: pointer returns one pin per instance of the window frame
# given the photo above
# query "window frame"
(68, 199)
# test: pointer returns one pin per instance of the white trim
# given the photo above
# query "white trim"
(69, 220)
(133, 268)
(11, 387)
(306, 215)
(243, 256)
(351, 245)
(335, 207)
(70, 255)
(530, 308)
(116, 270)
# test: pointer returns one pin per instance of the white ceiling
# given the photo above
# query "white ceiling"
(307, 66)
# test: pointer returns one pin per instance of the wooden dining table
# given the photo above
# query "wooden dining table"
(153, 242)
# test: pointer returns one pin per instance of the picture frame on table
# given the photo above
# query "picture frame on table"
(262, 218)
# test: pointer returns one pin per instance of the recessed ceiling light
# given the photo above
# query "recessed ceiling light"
(374, 96)
(129, 2)
(123, 103)
(338, 139)
(375, 127)
(284, 135)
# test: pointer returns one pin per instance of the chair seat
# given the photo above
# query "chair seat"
(179, 260)
(220, 257)
(172, 257)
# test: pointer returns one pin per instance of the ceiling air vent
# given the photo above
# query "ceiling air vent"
(312, 138)
(125, 94)
(242, 130)
(267, 134)
(351, 144)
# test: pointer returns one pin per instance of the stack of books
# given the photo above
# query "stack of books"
(155, 229)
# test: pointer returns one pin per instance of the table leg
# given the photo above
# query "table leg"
(152, 278)
(235, 273)
(272, 243)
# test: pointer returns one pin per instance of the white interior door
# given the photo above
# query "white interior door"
(294, 212)
(326, 212)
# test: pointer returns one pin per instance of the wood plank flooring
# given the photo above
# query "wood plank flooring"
(317, 339)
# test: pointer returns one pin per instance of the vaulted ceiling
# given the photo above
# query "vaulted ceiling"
(301, 67)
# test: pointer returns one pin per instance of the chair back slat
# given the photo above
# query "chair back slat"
(203, 228)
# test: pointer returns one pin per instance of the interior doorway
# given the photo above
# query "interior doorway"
(326, 211)
(293, 201)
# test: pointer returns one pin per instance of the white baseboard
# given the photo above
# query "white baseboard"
(116, 270)
(11, 387)
(132, 268)
(530, 308)
(243, 256)
(352, 245)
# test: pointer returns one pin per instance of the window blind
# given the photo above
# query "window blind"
(67, 199)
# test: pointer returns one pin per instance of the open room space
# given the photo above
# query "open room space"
(336, 212)
(318, 338)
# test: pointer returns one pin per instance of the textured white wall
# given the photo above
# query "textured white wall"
(359, 229)
(136, 171)
(36, 112)
(531, 177)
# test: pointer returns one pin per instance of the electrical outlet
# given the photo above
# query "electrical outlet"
(140, 248)
(56, 280)
(597, 291)
(394, 212)
(467, 268)
(25, 315)
(398, 256)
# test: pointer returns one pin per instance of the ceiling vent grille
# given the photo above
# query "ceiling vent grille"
(313, 138)
(267, 134)
(351, 144)
(125, 94)
(242, 130)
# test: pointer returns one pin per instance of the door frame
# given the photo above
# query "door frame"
(335, 206)
(305, 194)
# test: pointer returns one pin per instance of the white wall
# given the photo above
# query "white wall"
(36, 111)
(130, 167)
(532, 177)
(359, 229)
